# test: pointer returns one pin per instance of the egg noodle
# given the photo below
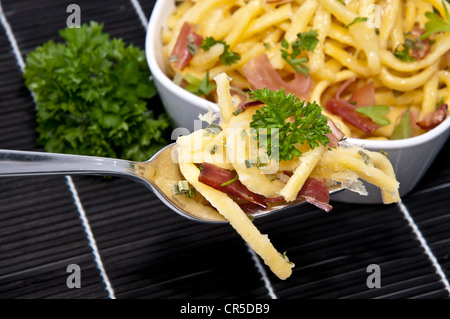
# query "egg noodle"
(357, 40)
(231, 147)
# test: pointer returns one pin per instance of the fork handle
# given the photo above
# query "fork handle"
(25, 163)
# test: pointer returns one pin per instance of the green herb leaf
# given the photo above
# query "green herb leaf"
(230, 181)
(191, 46)
(365, 157)
(213, 149)
(435, 23)
(307, 125)
(191, 193)
(376, 113)
(227, 57)
(305, 41)
(403, 128)
(308, 40)
(213, 129)
(286, 258)
(199, 87)
(92, 95)
(356, 20)
(382, 151)
(403, 54)
(182, 187)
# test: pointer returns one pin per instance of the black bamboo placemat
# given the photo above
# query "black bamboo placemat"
(129, 245)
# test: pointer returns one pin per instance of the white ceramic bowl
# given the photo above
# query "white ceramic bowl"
(410, 157)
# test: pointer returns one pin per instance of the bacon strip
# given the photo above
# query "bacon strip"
(346, 110)
(421, 47)
(180, 50)
(215, 176)
(364, 96)
(246, 105)
(313, 192)
(434, 119)
(261, 74)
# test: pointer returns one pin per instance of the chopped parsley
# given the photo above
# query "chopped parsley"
(356, 20)
(199, 87)
(213, 129)
(192, 46)
(402, 52)
(182, 188)
(214, 149)
(230, 181)
(227, 57)
(383, 152)
(365, 157)
(305, 41)
(285, 258)
(261, 161)
(291, 121)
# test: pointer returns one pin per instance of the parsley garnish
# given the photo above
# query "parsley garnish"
(383, 152)
(213, 129)
(365, 157)
(295, 121)
(182, 187)
(230, 181)
(261, 161)
(197, 86)
(402, 52)
(191, 46)
(356, 20)
(92, 96)
(227, 57)
(214, 149)
(435, 23)
(285, 258)
(305, 41)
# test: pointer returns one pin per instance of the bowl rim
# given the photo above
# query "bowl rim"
(153, 32)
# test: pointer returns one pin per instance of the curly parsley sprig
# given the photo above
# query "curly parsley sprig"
(296, 122)
(92, 94)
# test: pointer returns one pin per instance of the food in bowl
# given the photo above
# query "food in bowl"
(272, 150)
(410, 157)
(381, 71)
